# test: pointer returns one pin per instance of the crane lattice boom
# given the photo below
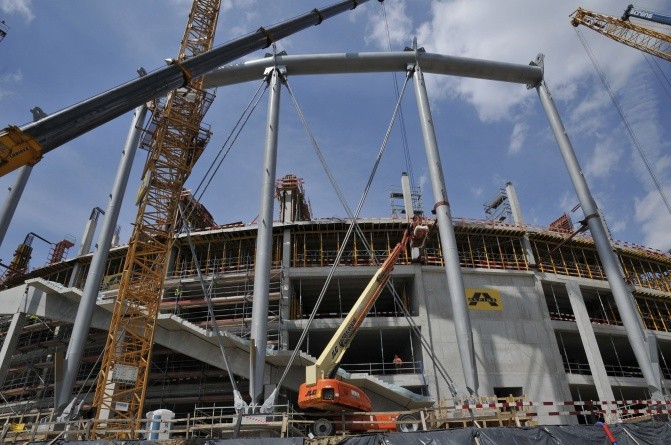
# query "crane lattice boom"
(632, 34)
(175, 143)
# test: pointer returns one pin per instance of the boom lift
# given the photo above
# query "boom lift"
(622, 30)
(321, 390)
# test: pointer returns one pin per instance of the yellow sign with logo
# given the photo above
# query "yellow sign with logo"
(484, 299)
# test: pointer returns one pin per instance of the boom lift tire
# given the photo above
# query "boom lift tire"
(407, 423)
(323, 428)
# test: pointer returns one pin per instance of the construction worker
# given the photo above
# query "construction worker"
(397, 362)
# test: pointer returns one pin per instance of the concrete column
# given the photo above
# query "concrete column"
(259, 331)
(623, 297)
(591, 347)
(9, 344)
(455, 282)
(285, 298)
(519, 220)
(82, 323)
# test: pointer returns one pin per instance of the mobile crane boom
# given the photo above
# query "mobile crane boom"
(26, 145)
(643, 14)
(624, 31)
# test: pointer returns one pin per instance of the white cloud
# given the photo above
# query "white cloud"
(617, 226)
(9, 78)
(655, 220)
(22, 7)
(398, 23)
(515, 31)
(567, 201)
(15, 77)
(606, 156)
(518, 137)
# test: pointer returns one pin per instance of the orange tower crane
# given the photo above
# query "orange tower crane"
(177, 139)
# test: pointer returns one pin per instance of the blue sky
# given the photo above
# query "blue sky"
(59, 53)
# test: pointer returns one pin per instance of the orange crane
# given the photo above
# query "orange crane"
(177, 141)
(623, 30)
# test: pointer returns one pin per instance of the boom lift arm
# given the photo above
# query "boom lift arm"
(624, 31)
(320, 390)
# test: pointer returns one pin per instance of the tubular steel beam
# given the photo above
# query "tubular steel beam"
(455, 281)
(623, 297)
(96, 271)
(376, 62)
(264, 240)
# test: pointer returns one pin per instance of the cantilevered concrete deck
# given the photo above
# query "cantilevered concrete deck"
(53, 301)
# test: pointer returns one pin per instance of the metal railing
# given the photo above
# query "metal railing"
(384, 368)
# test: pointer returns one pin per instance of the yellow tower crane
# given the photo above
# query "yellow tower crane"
(623, 30)
(177, 140)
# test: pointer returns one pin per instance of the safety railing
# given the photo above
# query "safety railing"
(223, 422)
(384, 368)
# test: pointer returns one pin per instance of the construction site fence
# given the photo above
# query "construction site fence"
(222, 422)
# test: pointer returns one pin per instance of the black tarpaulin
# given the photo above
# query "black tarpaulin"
(649, 433)
(451, 437)
(515, 436)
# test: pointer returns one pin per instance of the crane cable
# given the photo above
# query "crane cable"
(404, 135)
(230, 141)
(200, 190)
(630, 130)
(659, 73)
(354, 217)
(207, 293)
(363, 239)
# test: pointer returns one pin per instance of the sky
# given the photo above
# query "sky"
(56, 54)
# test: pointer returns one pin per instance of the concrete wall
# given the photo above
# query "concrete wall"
(514, 347)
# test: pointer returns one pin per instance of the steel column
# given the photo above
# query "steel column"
(519, 220)
(264, 239)
(85, 246)
(622, 295)
(82, 323)
(12, 201)
(455, 283)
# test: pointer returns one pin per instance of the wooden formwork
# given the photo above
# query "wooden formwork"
(450, 414)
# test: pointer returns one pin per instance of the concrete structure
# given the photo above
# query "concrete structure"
(531, 335)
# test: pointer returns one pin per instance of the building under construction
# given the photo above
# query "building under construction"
(532, 340)
(466, 321)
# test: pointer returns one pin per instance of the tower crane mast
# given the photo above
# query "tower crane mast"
(622, 30)
(176, 142)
